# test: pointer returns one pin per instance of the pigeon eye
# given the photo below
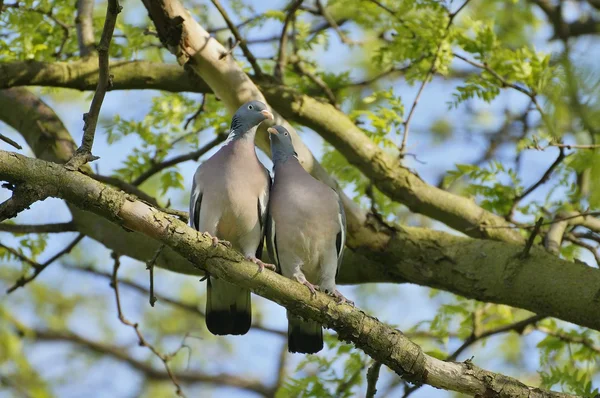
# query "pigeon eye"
(250, 107)
(286, 134)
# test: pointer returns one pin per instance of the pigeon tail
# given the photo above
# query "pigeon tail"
(228, 308)
(305, 337)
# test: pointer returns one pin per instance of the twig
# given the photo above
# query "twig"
(236, 33)
(238, 26)
(323, 11)
(188, 307)
(592, 249)
(588, 343)
(534, 233)
(545, 178)
(201, 109)
(506, 83)
(84, 152)
(232, 47)
(141, 340)
(10, 141)
(150, 267)
(372, 377)
(38, 268)
(281, 57)
(38, 228)
(428, 76)
(155, 168)
(125, 187)
(318, 81)
(518, 327)
(475, 336)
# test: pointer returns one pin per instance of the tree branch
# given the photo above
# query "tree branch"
(38, 268)
(141, 340)
(38, 228)
(120, 354)
(281, 57)
(238, 37)
(188, 307)
(195, 155)
(85, 27)
(84, 152)
(376, 339)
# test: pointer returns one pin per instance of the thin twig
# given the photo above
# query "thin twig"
(192, 308)
(506, 83)
(84, 152)
(232, 47)
(372, 377)
(10, 141)
(150, 267)
(323, 11)
(201, 109)
(236, 33)
(281, 57)
(318, 81)
(534, 233)
(155, 168)
(476, 336)
(592, 249)
(125, 187)
(38, 228)
(38, 268)
(428, 76)
(536, 185)
(141, 340)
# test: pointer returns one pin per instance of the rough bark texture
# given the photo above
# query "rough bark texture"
(378, 340)
(83, 75)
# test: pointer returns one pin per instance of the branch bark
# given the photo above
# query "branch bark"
(381, 342)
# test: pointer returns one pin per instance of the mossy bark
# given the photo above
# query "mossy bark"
(383, 343)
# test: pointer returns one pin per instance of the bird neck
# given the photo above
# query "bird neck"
(241, 135)
(281, 157)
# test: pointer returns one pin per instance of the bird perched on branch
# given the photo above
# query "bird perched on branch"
(229, 199)
(306, 233)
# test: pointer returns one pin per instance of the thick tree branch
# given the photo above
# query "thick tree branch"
(397, 182)
(83, 75)
(376, 339)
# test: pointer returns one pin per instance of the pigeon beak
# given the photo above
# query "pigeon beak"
(267, 114)
(272, 130)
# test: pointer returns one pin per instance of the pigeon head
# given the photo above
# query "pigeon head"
(281, 144)
(248, 117)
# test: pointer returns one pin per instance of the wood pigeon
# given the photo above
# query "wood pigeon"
(229, 200)
(306, 232)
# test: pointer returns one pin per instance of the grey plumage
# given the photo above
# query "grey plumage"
(229, 199)
(306, 233)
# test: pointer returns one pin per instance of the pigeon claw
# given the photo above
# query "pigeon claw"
(261, 265)
(340, 299)
(313, 288)
(216, 241)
